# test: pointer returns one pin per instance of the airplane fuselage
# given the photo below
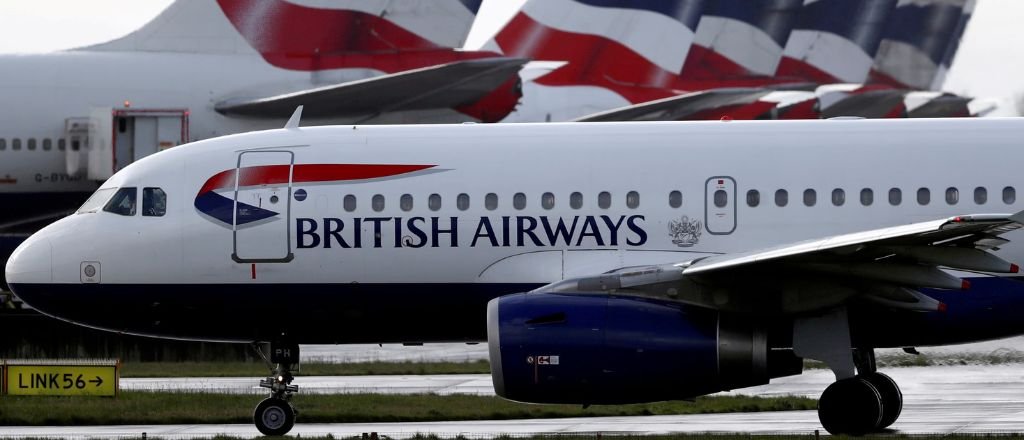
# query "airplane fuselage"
(410, 230)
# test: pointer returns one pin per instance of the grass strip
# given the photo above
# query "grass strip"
(254, 369)
(193, 408)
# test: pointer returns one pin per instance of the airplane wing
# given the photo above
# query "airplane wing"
(679, 107)
(444, 86)
(871, 104)
(887, 265)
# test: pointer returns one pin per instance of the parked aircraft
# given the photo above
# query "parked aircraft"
(706, 256)
(205, 68)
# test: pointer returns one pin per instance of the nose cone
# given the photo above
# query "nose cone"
(31, 263)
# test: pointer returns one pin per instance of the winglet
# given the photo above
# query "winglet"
(293, 122)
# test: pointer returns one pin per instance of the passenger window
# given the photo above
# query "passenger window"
(604, 200)
(952, 196)
(576, 200)
(632, 199)
(675, 199)
(980, 195)
(47, 144)
(377, 203)
(349, 202)
(867, 197)
(32, 144)
(781, 198)
(15, 144)
(434, 202)
(924, 196)
(154, 202)
(547, 201)
(462, 202)
(123, 202)
(519, 201)
(405, 202)
(62, 144)
(721, 198)
(491, 201)
(753, 198)
(838, 197)
(1009, 195)
(895, 197)
(810, 197)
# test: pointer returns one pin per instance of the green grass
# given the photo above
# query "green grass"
(253, 369)
(191, 408)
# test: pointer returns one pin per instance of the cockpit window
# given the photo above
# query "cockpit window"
(154, 202)
(96, 200)
(123, 202)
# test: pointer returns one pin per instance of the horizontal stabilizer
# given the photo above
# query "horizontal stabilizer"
(445, 86)
(679, 107)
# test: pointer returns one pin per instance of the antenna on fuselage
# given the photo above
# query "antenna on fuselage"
(293, 122)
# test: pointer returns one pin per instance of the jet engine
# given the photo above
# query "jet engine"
(601, 349)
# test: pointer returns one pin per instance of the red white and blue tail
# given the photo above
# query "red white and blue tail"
(919, 43)
(835, 40)
(615, 44)
(292, 35)
(740, 38)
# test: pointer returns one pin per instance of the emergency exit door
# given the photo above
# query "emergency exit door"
(262, 211)
(720, 205)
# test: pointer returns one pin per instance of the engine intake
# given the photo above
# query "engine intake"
(601, 349)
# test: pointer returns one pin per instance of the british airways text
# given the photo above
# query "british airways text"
(505, 231)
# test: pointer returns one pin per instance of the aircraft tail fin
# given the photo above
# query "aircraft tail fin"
(293, 36)
(835, 40)
(917, 40)
(603, 42)
(739, 38)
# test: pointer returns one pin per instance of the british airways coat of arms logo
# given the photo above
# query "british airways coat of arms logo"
(685, 232)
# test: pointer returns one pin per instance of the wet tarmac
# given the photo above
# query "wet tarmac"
(961, 399)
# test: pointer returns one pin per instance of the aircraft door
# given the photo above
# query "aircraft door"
(720, 205)
(262, 214)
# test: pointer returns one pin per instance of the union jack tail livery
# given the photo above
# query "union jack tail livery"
(835, 40)
(919, 43)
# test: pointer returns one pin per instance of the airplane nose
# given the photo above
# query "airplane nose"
(31, 263)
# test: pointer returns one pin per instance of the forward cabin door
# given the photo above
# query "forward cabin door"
(263, 209)
(720, 205)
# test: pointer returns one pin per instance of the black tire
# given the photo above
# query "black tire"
(850, 406)
(892, 397)
(274, 416)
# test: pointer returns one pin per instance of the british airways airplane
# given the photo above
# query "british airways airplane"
(603, 263)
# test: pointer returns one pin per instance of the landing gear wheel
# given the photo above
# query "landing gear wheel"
(274, 416)
(850, 406)
(892, 397)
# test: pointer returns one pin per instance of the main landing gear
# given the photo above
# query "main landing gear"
(868, 402)
(862, 400)
(275, 414)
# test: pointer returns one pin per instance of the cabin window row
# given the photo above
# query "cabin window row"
(923, 196)
(32, 144)
(520, 201)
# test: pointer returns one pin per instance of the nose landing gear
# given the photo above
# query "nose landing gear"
(275, 415)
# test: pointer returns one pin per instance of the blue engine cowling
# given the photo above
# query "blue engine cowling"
(601, 349)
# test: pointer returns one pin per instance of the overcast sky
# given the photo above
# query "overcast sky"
(990, 63)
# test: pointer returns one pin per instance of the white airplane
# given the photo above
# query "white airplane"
(603, 263)
(206, 68)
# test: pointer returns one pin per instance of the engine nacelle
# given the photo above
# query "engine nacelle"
(601, 349)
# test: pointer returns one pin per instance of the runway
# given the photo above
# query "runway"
(963, 399)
